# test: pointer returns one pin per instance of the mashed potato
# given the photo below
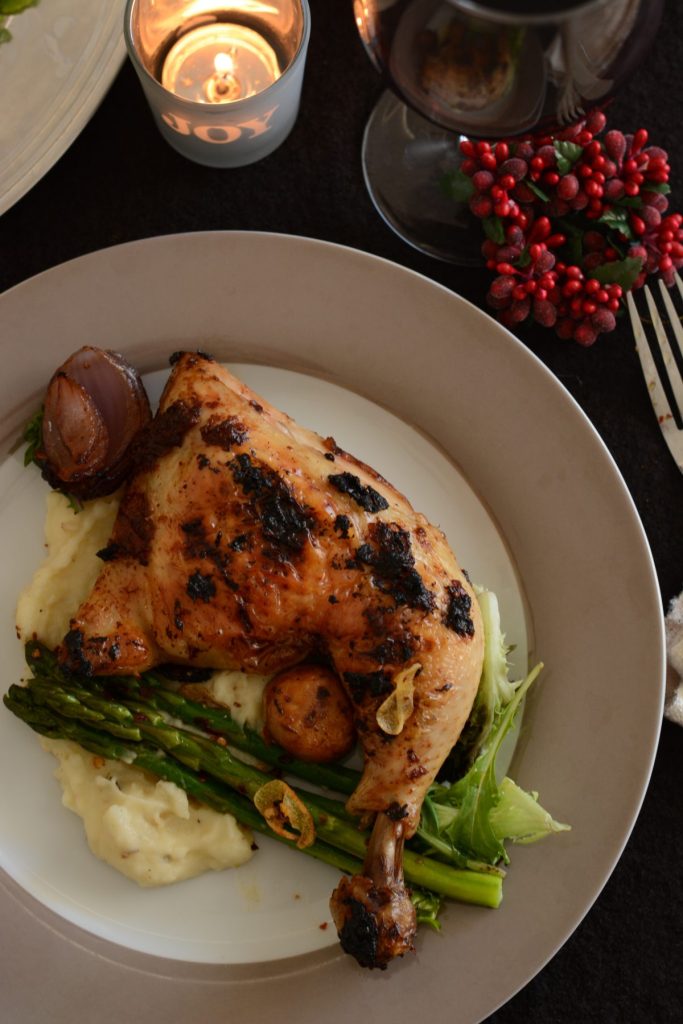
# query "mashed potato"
(240, 692)
(147, 830)
(69, 571)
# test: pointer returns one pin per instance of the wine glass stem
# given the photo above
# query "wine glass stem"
(406, 164)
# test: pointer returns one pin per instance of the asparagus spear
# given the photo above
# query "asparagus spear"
(200, 754)
(152, 690)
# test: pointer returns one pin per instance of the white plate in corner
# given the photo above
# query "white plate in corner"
(528, 454)
(54, 72)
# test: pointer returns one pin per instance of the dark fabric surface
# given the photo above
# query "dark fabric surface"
(120, 181)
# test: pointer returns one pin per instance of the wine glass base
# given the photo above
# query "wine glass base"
(405, 159)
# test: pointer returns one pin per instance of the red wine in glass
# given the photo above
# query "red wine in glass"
(488, 69)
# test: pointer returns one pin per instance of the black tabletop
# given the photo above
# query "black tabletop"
(120, 181)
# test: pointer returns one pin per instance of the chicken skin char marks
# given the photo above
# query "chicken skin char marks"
(245, 541)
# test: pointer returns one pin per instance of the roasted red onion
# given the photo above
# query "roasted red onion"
(94, 406)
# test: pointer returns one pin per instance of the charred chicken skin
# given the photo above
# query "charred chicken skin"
(245, 541)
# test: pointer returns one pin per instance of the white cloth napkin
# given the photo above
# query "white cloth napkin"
(673, 708)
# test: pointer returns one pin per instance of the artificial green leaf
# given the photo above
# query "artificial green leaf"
(524, 258)
(657, 186)
(623, 272)
(566, 154)
(457, 186)
(493, 229)
(575, 249)
(633, 202)
(617, 220)
(536, 190)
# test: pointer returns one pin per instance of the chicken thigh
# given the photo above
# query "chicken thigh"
(246, 541)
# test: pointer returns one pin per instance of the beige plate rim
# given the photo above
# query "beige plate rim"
(591, 729)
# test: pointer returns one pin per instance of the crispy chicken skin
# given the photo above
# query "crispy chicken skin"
(246, 541)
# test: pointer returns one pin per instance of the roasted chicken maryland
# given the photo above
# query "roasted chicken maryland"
(245, 541)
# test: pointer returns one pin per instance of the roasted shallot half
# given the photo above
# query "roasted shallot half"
(94, 406)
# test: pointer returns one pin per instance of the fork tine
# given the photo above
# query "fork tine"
(654, 386)
(679, 283)
(671, 310)
(670, 367)
(671, 433)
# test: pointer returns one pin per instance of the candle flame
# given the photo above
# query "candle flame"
(224, 64)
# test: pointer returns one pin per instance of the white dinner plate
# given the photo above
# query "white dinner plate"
(62, 58)
(273, 907)
(486, 441)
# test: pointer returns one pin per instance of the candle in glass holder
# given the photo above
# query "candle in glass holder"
(220, 63)
(222, 77)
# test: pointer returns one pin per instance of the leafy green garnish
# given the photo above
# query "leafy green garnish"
(476, 795)
(75, 504)
(8, 7)
(427, 907)
(495, 688)
(33, 436)
(519, 816)
(467, 821)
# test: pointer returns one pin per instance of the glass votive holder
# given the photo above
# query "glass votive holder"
(222, 77)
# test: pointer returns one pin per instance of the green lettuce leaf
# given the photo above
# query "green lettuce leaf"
(469, 821)
(477, 793)
(8, 7)
(519, 816)
(495, 690)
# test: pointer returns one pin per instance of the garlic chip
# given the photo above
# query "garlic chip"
(398, 707)
(285, 812)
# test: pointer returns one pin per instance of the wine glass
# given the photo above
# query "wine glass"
(485, 68)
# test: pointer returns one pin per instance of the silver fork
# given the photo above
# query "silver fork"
(673, 434)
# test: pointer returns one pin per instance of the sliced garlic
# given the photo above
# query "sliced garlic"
(285, 812)
(393, 714)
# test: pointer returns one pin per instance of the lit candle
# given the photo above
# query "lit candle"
(220, 63)
(222, 77)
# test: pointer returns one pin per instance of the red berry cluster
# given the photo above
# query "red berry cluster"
(572, 221)
(660, 246)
